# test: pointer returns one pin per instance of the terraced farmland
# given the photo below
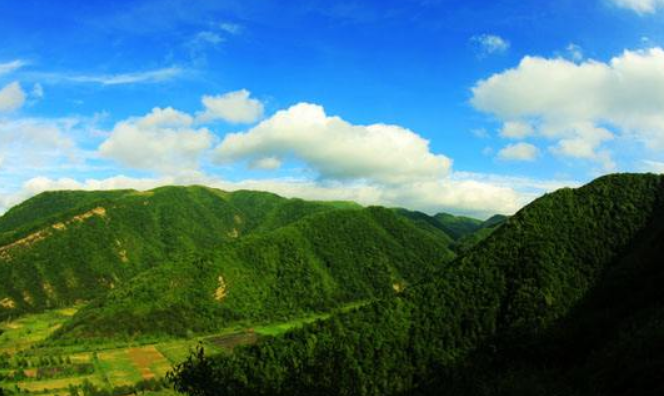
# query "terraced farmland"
(30, 363)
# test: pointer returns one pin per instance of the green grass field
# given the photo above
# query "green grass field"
(29, 330)
(112, 364)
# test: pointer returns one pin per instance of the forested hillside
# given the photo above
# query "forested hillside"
(61, 247)
(316, 264)
(563, 299)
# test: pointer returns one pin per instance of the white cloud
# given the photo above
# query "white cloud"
(586, 137)
(640, 6)
(581, 106)
(9, 67)
(231, 28)
(267, 163)
(163, 141)
(519, 152)
(142, 77)
(29, 145)
(516, 130)
(12, 97)
(337, 149)
(235, 107)
(37, 91)
(489, 44)
(164, 118)
(208, 37)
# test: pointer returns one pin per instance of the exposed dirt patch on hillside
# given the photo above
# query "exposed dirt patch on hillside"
(7, 303)
(98, 211)
(23, 242)
(40, 235)
(220, 293)
(59, 226)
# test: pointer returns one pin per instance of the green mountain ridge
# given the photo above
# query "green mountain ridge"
(128, 250)
(315, 264)
(556, 301)
(61, 247)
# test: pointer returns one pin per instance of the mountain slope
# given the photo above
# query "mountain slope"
(450, 226)
(61, 247)
(315, 264)
(490, 323)
(457, 226)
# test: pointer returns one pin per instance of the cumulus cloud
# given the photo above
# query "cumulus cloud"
(640, 6)
(519, 152)
(163, 140)
(9, 67)
(12, 97)
(235, 107)
(371, 164)
(580, 106)
(489, 44)
(267, 163)
(28, 145)
(516, 130)
(335, 148)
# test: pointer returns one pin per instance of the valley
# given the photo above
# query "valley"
(29, 364)
(112, 289)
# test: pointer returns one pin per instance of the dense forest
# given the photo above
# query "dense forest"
(176, 261)
(315, 264)
(564, 299)
(65, 246)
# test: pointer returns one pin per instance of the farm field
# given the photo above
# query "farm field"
(30, 365)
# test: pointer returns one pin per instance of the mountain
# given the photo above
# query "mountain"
(317, 263)
(462, 232)
(457, 226)
(563, 299)
(486, 228)
(180, 260)
(61, 247)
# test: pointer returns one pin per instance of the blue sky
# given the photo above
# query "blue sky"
(471, 107)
